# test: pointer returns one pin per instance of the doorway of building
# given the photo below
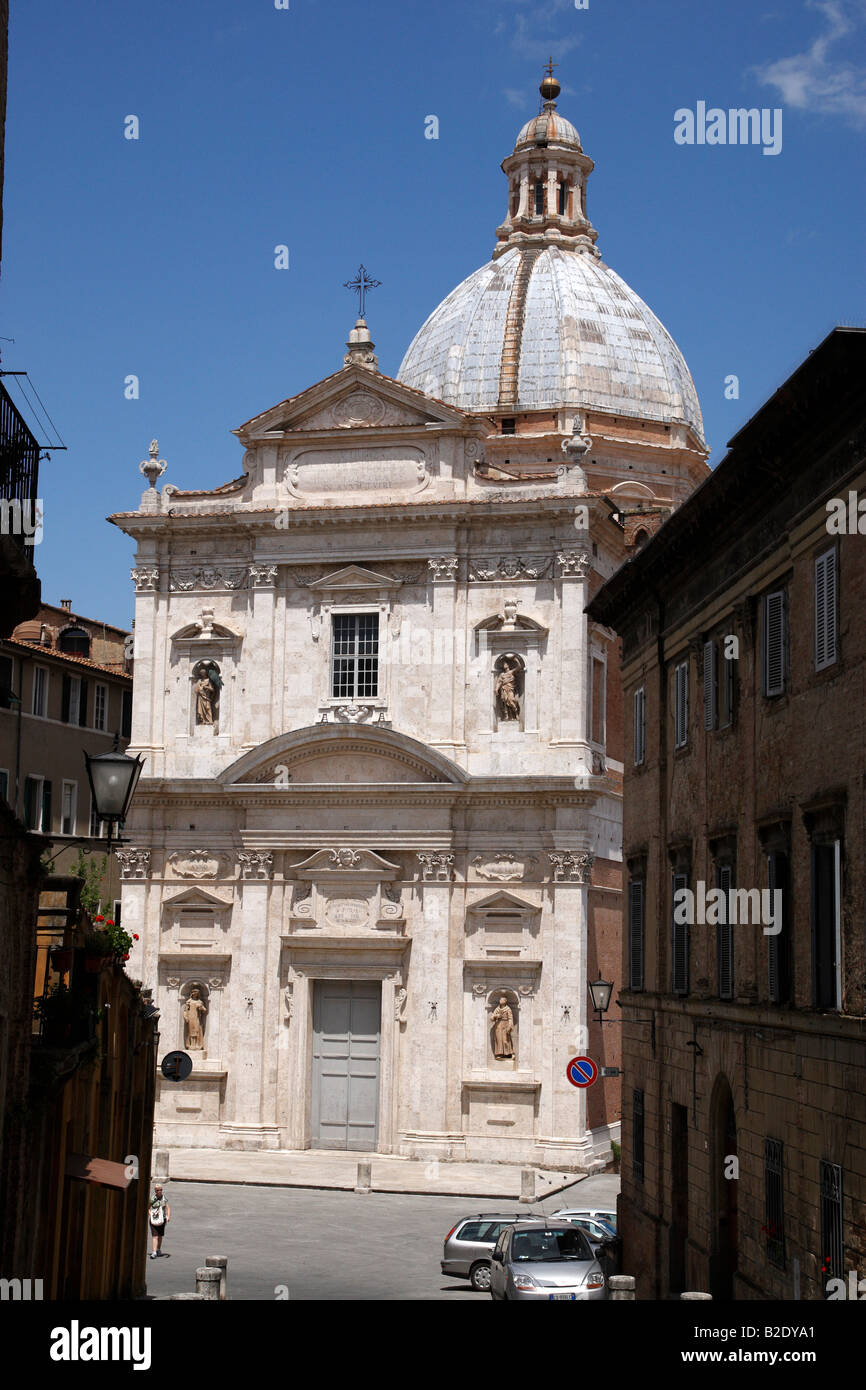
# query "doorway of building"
(723, 1261)
(347, 1018)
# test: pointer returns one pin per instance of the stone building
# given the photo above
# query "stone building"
(65, 688)
(744, 1046)
(376, 845)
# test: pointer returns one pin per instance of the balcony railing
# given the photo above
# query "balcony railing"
(19, 472)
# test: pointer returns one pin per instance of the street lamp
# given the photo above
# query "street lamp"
(113, 779)
(600, 991)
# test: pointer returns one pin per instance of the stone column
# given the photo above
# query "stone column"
(551, 191)
(523, 205)
(426, 1066)
(145, 704)
(263, 696)
(562, 1127)
(572, 568)
(247, 1004)
(143, 960)
(443, 576)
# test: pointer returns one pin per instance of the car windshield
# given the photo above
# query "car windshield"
(543, 1247)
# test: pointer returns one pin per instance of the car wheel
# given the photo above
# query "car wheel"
(479, 1277)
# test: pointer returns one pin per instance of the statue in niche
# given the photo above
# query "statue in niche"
(194, 1011)
(206, 688)
(506, 690)
(502, 1020)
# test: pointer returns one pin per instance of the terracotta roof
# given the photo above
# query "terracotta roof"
(52, 652)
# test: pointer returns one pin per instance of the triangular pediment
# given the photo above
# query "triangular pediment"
(354, 577)
(354, 399)
(195, 897)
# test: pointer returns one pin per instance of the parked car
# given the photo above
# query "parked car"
(468, 1245)
(604, 1214)
(606, 1244)
(543, 1259)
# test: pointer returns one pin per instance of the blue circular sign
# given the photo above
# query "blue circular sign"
(581, 1071)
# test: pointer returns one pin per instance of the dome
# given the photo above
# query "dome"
(548, 129)
(547, 327)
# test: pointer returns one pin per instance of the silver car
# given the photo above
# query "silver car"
(552, 1260)
(604, 1214)
(468, 1245)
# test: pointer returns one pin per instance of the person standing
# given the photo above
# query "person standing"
(159, 1215)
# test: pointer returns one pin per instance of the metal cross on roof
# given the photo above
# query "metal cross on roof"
(361, 284)
(551, 65)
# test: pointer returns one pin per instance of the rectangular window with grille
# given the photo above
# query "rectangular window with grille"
(774, 1201)
(355, 661)
(826, 926)
(637, 1136)
(832, 1247)
(825, 610)
(711, 685)
(636, 900)
(681, 704)
(679, 939)
(725, 934)
(639, 726)
(774, 643)
(779, 971)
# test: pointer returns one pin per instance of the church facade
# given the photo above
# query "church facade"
(376, 849)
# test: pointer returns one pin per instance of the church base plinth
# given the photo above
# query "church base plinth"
(414, 1144)
(249, 1137)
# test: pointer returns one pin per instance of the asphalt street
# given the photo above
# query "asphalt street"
(310, 1244)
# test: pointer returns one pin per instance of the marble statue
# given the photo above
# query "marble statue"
(193, 1016)
(503, 1029)
(505, 691)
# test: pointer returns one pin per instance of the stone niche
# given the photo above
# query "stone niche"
(195, 919)
(502, 926)
(344, 892)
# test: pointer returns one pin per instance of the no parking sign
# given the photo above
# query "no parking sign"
(581, 1071)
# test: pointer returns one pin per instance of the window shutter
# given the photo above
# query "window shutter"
(82, 703)
(680, 943)
(635, 933)
(64, 699)
(773, 954)
(639, 726)
(710, 683)
(825, 610)
(29, 787)
(774, 643)
(681, 704)
(46, 806)
(725, 936)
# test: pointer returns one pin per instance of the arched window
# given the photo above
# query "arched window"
(539, 198)
(74, 641)
(640, 539)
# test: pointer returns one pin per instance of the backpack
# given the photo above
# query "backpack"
(157, 1214)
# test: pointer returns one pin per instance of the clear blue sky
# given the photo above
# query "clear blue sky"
(306, 127)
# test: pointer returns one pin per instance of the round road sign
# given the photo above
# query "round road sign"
(581, 1071)
(176, 1066)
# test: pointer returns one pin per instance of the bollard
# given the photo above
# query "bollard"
(621, 1288)
(220, 1262)
(207, 1282)
(527, 1184)
(159, 1163)
(698, 1297)
(364, 1180)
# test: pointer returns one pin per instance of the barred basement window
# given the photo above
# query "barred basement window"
(639, 726)
(725, 934)
(679, 939)
(681, 704)
(825, 610)
(637, 1133)
(774, 628)
(355, 656)
(774, 1201)
(636, 897)
(832, 1248)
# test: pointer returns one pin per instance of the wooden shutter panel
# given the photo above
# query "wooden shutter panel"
(29, 787)
(82, 703)
(681, 704)
(725, 937)
(46, 806)
(680, 943)
(825, 610)
(774, 643)
(773, 953)
(635, 933)
(710, 684)
(65, 699)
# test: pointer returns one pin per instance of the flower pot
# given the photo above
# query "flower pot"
(61, 959)
(93, 964)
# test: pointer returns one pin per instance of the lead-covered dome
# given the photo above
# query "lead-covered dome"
(546, 325)
(563, 329)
